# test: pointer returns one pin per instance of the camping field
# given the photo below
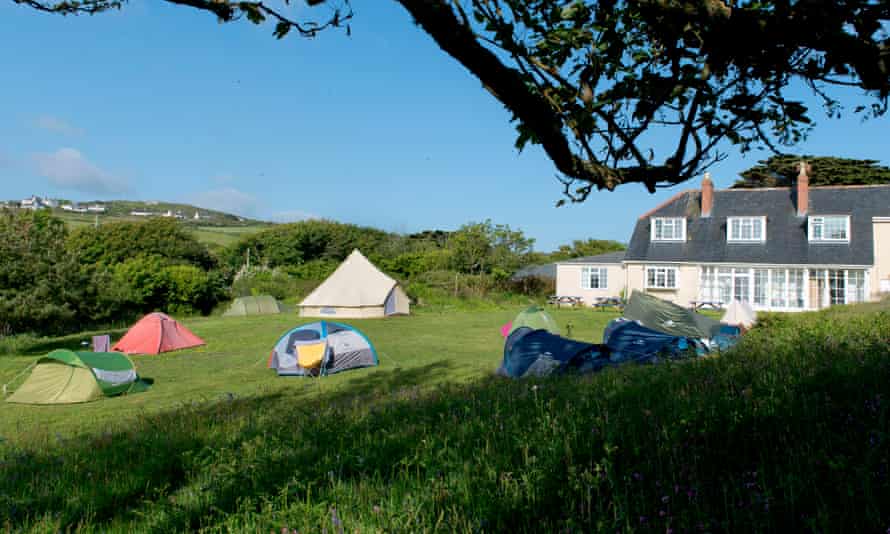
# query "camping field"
(789, 431)
(419, 350)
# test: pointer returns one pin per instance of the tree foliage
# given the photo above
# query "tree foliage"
(38, 278)
(291, 245)
(588, 247)
(782, 171)
(116, 242)
(589, 79)
(52, 281)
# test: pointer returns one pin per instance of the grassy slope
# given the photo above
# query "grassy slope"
(787, 433)
(210, 235)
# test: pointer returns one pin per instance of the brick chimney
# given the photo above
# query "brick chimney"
(803, 189)
(707, 195)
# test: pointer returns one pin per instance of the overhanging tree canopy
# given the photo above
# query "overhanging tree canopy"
(587, 80)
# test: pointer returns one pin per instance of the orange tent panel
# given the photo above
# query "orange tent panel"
(156, 333)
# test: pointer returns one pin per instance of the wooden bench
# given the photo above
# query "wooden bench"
(602, 303)
(559, 300)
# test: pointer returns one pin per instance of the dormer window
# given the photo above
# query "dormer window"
(668, 229)
(829, 228)
(746, 229)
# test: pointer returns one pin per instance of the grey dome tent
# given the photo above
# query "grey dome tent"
(321, 348)
(256, 305)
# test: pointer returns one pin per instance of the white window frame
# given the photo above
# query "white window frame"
(731, 239)
(666, 269)
(603, 278)
(676, 222)
(812, 218)
(787, 295)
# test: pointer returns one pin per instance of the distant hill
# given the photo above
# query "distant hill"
(215, 228)
(134, 209)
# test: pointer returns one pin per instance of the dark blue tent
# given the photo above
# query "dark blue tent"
(530, 352)
(631, 341)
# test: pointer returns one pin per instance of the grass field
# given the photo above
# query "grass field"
(789, 432)
(234, 361)
(210, 235)
(223, 235)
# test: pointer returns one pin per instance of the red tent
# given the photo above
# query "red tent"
(156, 333)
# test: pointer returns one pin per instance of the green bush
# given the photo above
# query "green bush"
(40, 283)
(276, 282)
(116, 242)
(191, 290)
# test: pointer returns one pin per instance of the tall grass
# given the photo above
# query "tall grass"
(788, 431)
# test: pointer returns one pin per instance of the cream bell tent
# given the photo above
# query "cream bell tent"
(356, 289)
(739, 313)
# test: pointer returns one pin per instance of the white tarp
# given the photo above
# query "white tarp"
(739, 313)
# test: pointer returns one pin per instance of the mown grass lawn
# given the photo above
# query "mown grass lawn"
(790, 431)
(420, 350)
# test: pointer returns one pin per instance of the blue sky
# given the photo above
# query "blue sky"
(381, 128)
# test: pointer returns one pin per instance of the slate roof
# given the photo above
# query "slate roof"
(605, 259)
(786, 233)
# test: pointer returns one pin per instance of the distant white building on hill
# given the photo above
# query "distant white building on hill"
(32, 203)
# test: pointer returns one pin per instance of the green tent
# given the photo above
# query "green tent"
(66, 377)
(663, 316)
(536, 318)
(258, 305)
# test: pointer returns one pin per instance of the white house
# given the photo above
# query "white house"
(32, 203)
(784, 248)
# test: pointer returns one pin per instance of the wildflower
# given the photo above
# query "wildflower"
(376, 509)
(665, 499)
(643, 519)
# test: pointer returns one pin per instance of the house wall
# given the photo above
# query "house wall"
(568, 281)
(881, 271)
(687, 282)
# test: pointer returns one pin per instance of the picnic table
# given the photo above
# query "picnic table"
(559, 300)
(711, 304)
(608, 302)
